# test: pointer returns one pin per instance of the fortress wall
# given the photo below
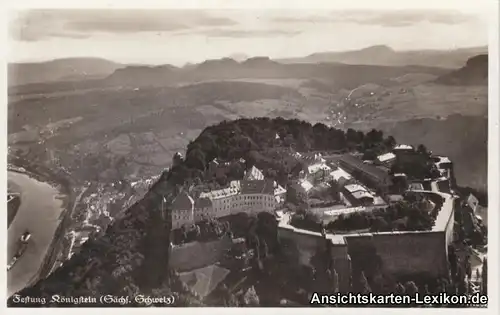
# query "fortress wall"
(300, 246)
(408, 253)
(342, 265)
(401, 253)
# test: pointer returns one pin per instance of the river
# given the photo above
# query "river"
(39, 212)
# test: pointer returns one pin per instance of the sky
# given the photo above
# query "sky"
(181, 36)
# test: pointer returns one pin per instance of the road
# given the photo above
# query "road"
(39, 212)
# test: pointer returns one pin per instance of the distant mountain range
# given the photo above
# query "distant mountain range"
(335, 75)
(68, 69)
(385, 56)
(475, 72)
(339, 70)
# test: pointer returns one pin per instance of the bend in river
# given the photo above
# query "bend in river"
(39, 212)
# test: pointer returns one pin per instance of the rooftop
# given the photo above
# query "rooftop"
(386, 157)
(403, 147)
(183, 202)
(203, 281)
(354, 187)
(278, 189)
(203, 203)
(317, 167)
(371, 170)
(257, 187)
(362, 194)
(306, 185)
(340, 173)
(220, 193)
(254, 174)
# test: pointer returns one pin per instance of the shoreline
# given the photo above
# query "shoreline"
(67, 195)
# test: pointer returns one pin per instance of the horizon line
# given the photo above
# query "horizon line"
(247, 57)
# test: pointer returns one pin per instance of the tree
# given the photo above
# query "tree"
(421, 149)
(380, 225)
(250, 298)
(364, 285)
(369, 155)
(484, 278)
(390, 142)
(468, 268)
(352, 136)
(236, 171)
(411, 288)
(266, 249)
(452, 258)
(400, 289)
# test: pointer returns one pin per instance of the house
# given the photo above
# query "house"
(358, 195)
(221, 200)
(403, 147)
(369, 175)
(182, 210)
(340, 176)
(416, 186)
(395, 198)
(386, 158)
(318, 172)
(250, 196)
(256, 196)
(301, 189)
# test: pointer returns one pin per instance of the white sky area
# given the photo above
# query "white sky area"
(181, 36)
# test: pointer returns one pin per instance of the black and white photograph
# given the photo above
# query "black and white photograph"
(252, 157)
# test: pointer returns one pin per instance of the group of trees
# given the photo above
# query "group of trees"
(306, 220)
(402, 216)
(253, 140)
(415, 164)
(467, 228)
(205, 230)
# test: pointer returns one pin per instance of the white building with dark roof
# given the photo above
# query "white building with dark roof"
(386, 158)
(340, 176)
(358, 194)
(221, 200)
(403, 147)
(255, 196)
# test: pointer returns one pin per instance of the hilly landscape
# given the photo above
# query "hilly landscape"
(386, 56)
(109, 132)
(69, 69)
(138, 116)
(475, 72)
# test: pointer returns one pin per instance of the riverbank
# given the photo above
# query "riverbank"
(66, 187)
(12, 208)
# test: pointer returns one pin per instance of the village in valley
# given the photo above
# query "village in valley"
(347, 222)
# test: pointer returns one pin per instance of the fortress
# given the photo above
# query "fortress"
(400, 253)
